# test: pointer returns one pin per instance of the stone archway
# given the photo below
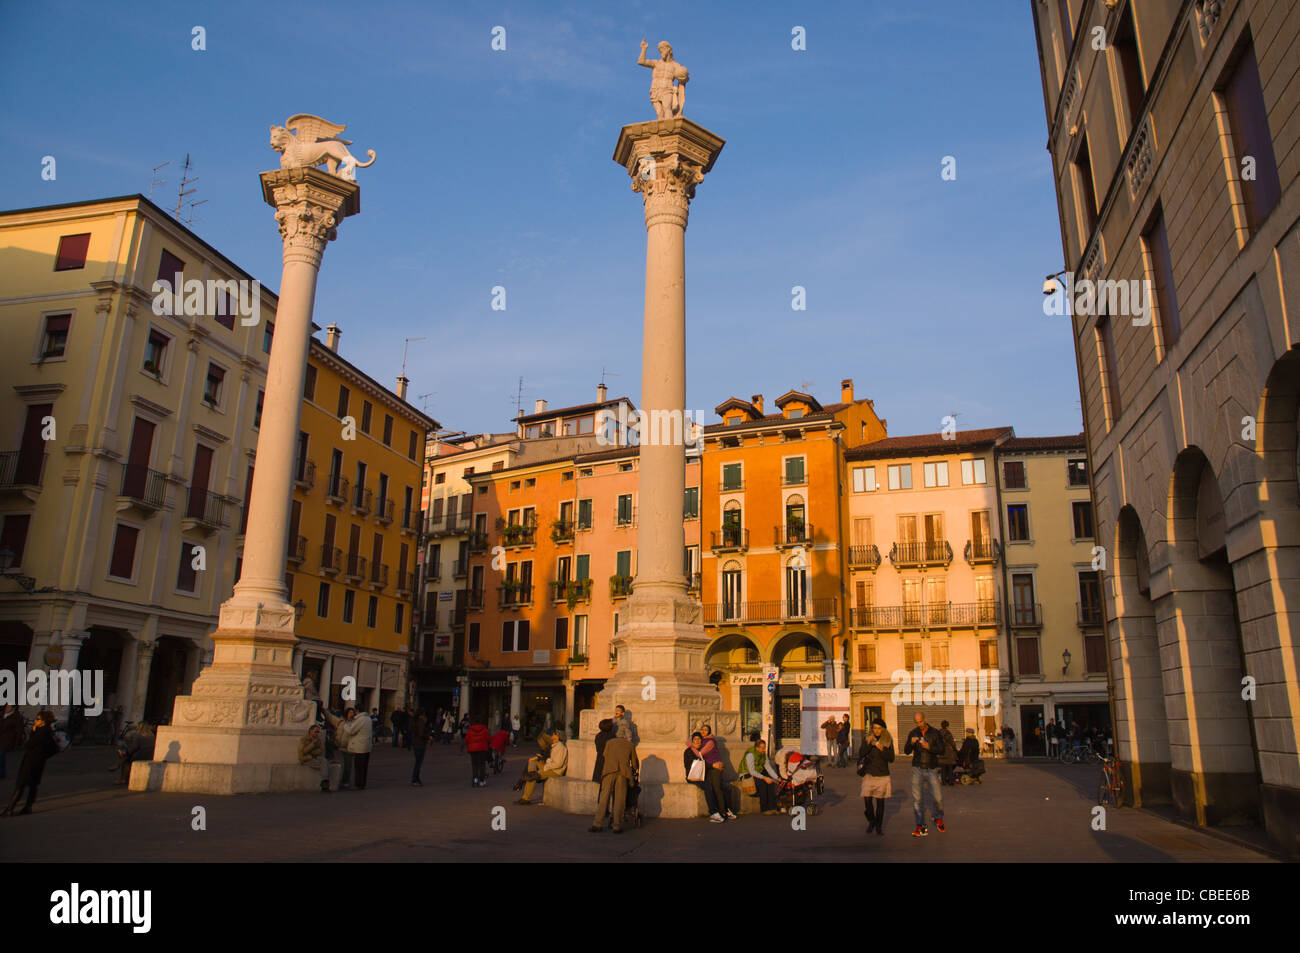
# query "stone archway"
(734, 662)
(1138, 669)
(1214, 776)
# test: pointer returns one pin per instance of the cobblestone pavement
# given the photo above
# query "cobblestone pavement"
(1023, 812)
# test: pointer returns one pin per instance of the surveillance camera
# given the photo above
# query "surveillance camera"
(1049, 286)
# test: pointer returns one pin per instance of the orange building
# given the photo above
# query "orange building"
(773, 560)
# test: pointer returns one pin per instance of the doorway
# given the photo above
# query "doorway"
(1032, 740)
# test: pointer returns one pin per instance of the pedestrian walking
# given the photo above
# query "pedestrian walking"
(697, 773)
(11, 734)
(923, 743)
(395, 719)
(948, 756)
(311, 752)
(477, 742)
(756, 767)
(842, 742)
(461, 730)
(420, 738)
(40, 747)
(618, 768)
(713, 757)
(448, 727)
(831, 728)
(874, 759)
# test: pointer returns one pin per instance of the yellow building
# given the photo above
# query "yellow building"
(354, 530)
(1054, 611)
(126, 436)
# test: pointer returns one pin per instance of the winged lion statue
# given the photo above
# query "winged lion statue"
(306, 142)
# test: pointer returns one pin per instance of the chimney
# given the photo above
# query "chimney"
(757, 401)
(600, 393)
(332, 335)
(539, 405)
(846, 390)
(402, 381)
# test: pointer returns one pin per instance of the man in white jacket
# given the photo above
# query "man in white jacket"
(556, 763)
(354, 735)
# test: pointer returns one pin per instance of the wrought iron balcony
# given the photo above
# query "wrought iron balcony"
(562, 531)
(410, 520)
(145, 488)
(297, 553)
(21, 471)
(478, 542)
(620, 587)
(732, 539)
(794, 479)
(935, 615)
(693, 582)
(734, 486)
(433, 571)
(355, 567)
(982, 551)
(304, 475)
(517, 594)
(792, 534)
(363, 501)
(577, 589)
(460, 569)
(1089, 615)
(207, 510)
(476, 599)
(1027, 616)
(930, 552)
(384, 511)
(336, 489)
(625, 517)
(518, 535)
(864, 557)
(820, 609)
(378, 576)
(331, 559)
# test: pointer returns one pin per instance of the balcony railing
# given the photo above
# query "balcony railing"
(297, 553)
(982, 551)
(734, 486)
(1027, 617)
(476, 599)
(378, 576)
(478, 542)
(562, 531)
(578, 590)
(146, 488)
(384, 511)
(930, 615)
(355, 567)
(517, 595)
(304, 475)
(794, 479)
(772, 610)
(410, 520)
(625, 517)
(433, 571)
(1089, 614)
(729, 540)
(460, 569)
(363, 500)
(207, 508)
(620, 587)
(336, 489)
(517, 534)
(450, 525)
(930, 552)
(693, 582)
(864, 557)
(22, 469)
(331, 559)
(792, 534)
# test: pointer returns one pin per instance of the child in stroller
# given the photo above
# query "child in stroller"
(801, 779)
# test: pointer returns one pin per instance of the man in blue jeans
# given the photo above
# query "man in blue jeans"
(924, 744)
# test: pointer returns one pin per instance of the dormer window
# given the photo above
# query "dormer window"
(794, 412)
(733, 420)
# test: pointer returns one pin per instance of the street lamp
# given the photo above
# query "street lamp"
(1065, 657)
(1049, 283)
(299, 610)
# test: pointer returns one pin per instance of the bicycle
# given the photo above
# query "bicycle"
(1111, 788)
(1081, 754)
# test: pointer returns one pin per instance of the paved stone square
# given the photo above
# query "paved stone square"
(1023, 812)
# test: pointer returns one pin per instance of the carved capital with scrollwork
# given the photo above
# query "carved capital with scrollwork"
(309, 205)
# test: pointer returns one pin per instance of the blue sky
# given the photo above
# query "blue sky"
(494, 168)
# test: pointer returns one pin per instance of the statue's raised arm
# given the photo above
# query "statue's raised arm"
(667, 82)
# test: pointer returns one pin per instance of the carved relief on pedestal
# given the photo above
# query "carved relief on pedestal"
(236, 617)
(262, 713)
(659, 726)
(207, 711)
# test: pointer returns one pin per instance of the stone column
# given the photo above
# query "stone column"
(72, 640)
(568, 707)
(516, 696)
(144, 650)
(238, 730)
(463, 710)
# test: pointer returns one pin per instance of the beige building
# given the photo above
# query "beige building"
(1175, 157)
(127, 436)
(1057, 662)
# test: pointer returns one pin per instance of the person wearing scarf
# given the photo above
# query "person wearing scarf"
(873, 765)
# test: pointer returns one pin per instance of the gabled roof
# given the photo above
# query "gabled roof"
(793, 395)
(918, 444)
(1031, 444)
(750, 410)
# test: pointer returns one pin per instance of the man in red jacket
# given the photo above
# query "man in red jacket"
(477, 741)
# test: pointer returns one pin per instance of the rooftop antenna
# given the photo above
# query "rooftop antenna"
(519, 399)
(185, 180)
(404, 347)
(804, 385)
(157, 181)
(191, 219)
(423, 397)
(604, 373)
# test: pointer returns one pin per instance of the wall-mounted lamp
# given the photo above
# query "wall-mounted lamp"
(1065, 657)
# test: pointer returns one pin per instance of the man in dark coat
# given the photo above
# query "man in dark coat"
(618, 767)
(40, 747)
(606, 731)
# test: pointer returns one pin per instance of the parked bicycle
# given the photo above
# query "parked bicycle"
(1111, 788)
(1078, 754)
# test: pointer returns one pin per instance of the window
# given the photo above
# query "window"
(584, 514)
(972, 472)
(1090, 600)
(388, 430)
(472, 638)
(565, 477)
(169, 270)
(267, 333)
(900, 476)
(344, 394)
(372, 612)
(72, 252)
(562, 632)
(580, 634)
(212, 386)
(1018, 522)
(1094, 654)
(366, 410)
(732, 476)
(936, 474)
(309, 386)
(1076, 472)
(412, 445)
(867, 658)
(1024, 608)
(439, 478)
(349, 597)
(55, 341)
(864, 479)
(1013, 475)
(257, 411)
(1160, 272)
(1082, 163)
(1132, 85)
(1243, 100)
(530, 482)
(731, 592)
(186, 575)
(939, 654)
(625, 509)
(988, 653)
(1082, 514)
(1027, 655)
(623, 562)
(323, 601)
(13, 536)
(582, 567)
(911, 655)
(399, 618)
(794, 471)
(122, 562)
(691, 503)
(155, 352)
(514, 635)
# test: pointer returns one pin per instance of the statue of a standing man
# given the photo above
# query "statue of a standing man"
(668, 99)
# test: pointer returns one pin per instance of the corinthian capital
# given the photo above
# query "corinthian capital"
(667, 185)
(667, 159)
(309, 204)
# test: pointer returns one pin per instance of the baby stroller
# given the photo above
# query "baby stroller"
(632, 808)
(801, 780)
(970, 772)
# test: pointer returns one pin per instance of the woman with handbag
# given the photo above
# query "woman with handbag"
(697, 774)
(873, 767)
